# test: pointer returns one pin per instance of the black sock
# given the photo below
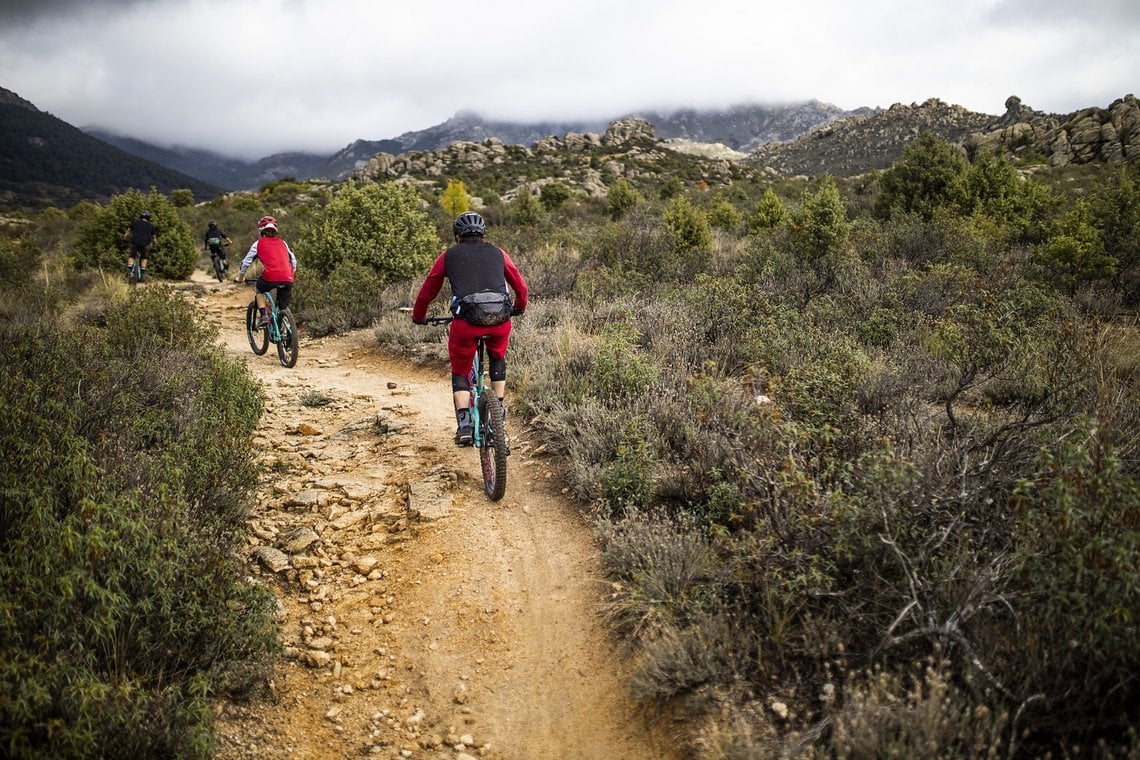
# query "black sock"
(463, 417)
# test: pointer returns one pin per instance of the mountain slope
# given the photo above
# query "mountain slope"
(862, 143)
(45, 161)
(741, 127)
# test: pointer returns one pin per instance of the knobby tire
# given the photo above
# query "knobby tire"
(493, 452)
(218, 272)
(258, 338)
(287, 346)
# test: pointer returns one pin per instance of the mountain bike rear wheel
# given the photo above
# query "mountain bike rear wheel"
(258, 336)
(493, 449)
(219, 272)
(287, 346)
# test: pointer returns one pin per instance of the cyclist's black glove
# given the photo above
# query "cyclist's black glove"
(516, 312)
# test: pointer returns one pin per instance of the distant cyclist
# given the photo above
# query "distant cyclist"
(279, 267)
(214, 243)
(141, 236)
(479, 273)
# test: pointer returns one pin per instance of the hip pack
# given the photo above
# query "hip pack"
(486, 308)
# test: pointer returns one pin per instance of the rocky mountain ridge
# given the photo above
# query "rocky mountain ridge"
(588, 162)
(867, 142)
(739, 128)
(1109, 135)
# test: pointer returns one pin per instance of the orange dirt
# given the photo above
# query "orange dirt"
(420, 619)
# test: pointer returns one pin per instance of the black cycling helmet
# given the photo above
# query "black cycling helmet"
(469, 223)
(146, 215)
(213, 222)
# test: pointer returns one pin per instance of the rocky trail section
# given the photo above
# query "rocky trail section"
(419, 619)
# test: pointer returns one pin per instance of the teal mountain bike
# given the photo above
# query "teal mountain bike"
(281, 330)
(487, 419)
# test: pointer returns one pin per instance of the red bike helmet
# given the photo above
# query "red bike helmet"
(267, 223)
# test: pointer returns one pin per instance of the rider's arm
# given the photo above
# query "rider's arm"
(516, 281)
(247, 262)
(292, 258)
(429, 290)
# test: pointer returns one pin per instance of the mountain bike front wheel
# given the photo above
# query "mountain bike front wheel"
(287, 346)
(493, 448)
(258, 336)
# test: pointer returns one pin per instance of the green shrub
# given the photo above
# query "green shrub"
(349, 298)
(621, 199)
(1074, 253)
(102, 243)
(769, 213)
(686, 228)
(619, 368)
(723, 215)
(554, 194)
(182, 198)
(378, 225)
(627, 481)
(929, 176)
(1078, 558)
(123, 608)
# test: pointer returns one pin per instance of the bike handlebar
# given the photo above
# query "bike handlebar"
(438, 320)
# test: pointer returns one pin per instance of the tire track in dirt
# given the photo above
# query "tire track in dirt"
(420, 619)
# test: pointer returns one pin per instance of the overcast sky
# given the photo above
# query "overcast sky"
(250, 78)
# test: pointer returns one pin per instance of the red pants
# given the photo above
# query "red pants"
(462, 339)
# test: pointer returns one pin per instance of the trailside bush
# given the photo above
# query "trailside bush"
(1078, 565)
(127, 467)
(102, 243)
(349, 298)
(378, 225)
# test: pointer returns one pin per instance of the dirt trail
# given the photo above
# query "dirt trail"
(420, 619)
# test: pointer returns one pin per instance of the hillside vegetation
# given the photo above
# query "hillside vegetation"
(862, 451)
(47, 162)
(123, 605)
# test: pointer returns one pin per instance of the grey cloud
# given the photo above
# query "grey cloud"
(21, 12)
(1114, 14)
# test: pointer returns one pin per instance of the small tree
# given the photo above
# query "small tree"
(554, 194)
(769, 213)
(672, 188)
(1075, 252)
(621, 199)
(378, 225)
(1115, 208)
(992, 186)
(928, 176)
(182, 198)
(821, 228)
(455, 199)
(687, 229)
(525, 209)
(723, 215)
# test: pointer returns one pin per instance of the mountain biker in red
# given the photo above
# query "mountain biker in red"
(479, 273)
(141, 236)
(279, 267)
(214, 243)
